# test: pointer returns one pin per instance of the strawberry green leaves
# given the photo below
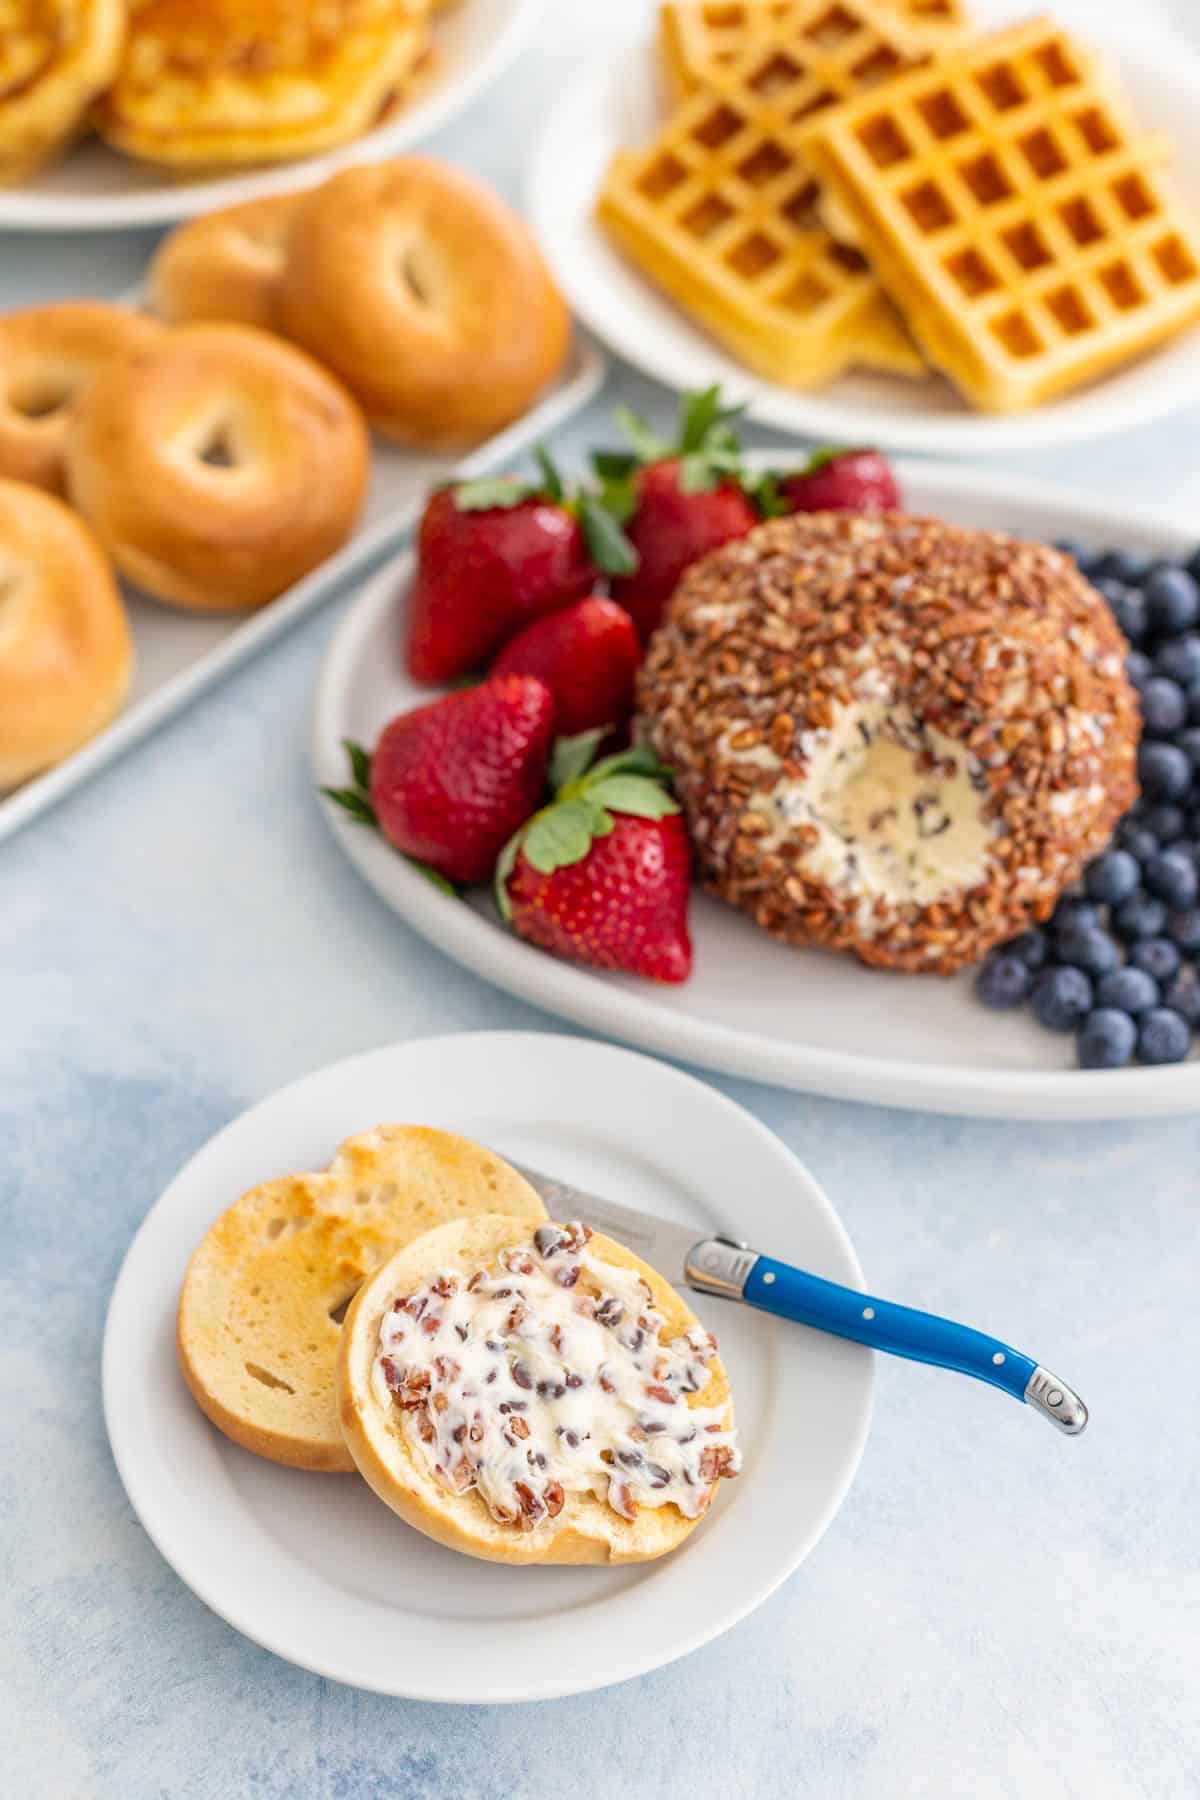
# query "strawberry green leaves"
(607, 544)
(492, 493)
(587, 795)
(355, 799)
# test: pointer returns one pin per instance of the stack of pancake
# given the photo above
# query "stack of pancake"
(202, 83)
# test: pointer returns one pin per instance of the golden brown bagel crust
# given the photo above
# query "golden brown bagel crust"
(226, 265)
(429, 297)
(256, 1330)
(587, 1530)
(66, 655)
(55, 57)
(186, 529)
(48, 355)
(257, 81)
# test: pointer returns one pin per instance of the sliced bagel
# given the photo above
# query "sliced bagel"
(265, 1293)
(385, 1425)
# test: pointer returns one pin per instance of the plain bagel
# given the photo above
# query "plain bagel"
(226, 265)
(490, 1432)
(48, 356)
(265, 1292)
(429, 297)
(66, 655)
(218, 465)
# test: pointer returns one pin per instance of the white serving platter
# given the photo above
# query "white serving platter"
(317, 1569)
(94, 188)
(180, 654)
(800, 1019)
(617, 103)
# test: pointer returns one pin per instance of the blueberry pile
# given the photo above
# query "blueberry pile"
(1118, 964)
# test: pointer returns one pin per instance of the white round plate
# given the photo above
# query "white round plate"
(617, 104)
(316, 1568)
(94, 188)
(801, 1019)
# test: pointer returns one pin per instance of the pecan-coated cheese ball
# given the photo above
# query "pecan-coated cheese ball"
(891, 735)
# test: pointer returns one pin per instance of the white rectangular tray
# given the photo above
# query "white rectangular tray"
(180, 654)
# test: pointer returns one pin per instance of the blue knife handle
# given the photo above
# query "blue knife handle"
(719, 1266)
(776, 1287)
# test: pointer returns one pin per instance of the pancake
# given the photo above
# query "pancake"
(257, 81)
(55, 57)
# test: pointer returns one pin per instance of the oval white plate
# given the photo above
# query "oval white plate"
(94, 188)
(316, 1568)
(801, 1019)
(618, 104)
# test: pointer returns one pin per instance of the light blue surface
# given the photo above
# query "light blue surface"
(996, 1612)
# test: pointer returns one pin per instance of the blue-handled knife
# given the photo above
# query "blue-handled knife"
(733, 1271)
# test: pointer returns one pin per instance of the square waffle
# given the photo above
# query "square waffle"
(702, 38)
(720, 210)
(1014, 214)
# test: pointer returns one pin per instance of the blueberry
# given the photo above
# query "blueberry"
(1073, 912)
(1171, 876)
(1193, 700)
(1164, 705)
(1183, 929)
(1188, 740)
(1193, 565)
(1179, 660)
(1167, 822)
(1163, 1036)
(1004, 981)
(1129, 990)
(1073, 548)
(1172, 601)
(1123, 565)
(1087, 947)
(1164, 772)
(1061, 998)
(1129, 610)
(1032, 947)
(1139, 917)
(1139, 840)
(1158, 956)
(1182, 995)
(1112, 877)
(1139, 669)
(1106, 1039)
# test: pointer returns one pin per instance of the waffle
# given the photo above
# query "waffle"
(1014, 214)
(246, 81)
(720, 210)
(702, 39)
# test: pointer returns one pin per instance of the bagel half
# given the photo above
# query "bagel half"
(264, 1294)
(587, 1529)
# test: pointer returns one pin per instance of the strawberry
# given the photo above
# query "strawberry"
(450, 782)
(676, 502)
(836, 480)
(601, 874)
(587, 654)
(493, 554)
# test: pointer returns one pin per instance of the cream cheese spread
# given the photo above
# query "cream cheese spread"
(548, 1375)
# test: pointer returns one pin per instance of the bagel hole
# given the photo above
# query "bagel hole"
(338, 1313)
(414, 277)
(41, 395)
(217, 448)
(258, 1373)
